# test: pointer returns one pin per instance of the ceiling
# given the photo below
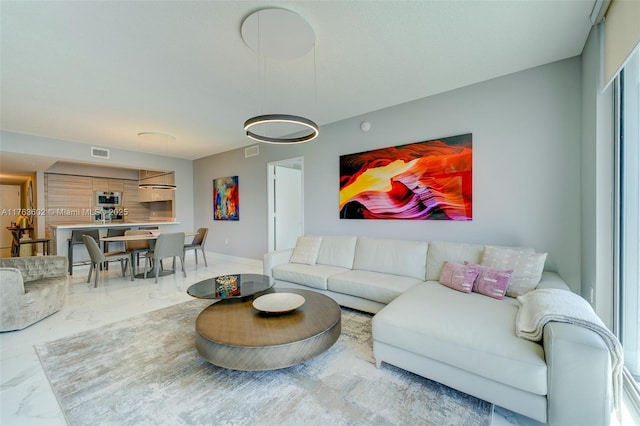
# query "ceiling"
(100, 72)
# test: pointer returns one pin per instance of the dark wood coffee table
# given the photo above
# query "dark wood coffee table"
(233, 334)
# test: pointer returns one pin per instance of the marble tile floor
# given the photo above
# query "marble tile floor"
(25, 395)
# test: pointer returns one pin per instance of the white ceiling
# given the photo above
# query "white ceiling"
(100, 72)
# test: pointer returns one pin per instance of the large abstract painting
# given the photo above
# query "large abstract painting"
(429, 180)
(226, 198)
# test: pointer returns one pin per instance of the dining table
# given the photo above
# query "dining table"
(152, 236)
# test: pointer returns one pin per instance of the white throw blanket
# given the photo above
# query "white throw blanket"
(540, 306)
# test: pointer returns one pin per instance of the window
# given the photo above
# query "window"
(628, 218)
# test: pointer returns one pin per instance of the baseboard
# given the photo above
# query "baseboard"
(221, 257)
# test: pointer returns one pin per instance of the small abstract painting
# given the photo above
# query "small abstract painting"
(226, 198)
(430, 180)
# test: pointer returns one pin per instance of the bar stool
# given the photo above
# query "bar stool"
(76, 239)
(114, 232)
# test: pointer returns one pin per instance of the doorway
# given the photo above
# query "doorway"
(286, 203)
(10, 203)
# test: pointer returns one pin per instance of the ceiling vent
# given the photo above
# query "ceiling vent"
(252, 151)
(99, 152)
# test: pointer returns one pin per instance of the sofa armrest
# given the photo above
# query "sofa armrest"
(12, 283)
(274, 258)
(552, 280)
(579, 389)
(37, 267)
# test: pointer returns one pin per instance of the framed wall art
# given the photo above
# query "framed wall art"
(430, 180)
(226, 198)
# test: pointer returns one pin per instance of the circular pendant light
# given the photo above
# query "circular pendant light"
(161, 179)
(281, 118)
(279, 34)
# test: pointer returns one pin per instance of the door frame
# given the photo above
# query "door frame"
(8, 218)
(271, 196)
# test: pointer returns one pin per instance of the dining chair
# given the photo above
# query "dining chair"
(168, 245)
(137, 247)
(198, 243)
(98, 257)
(150, 228)
(113, 232)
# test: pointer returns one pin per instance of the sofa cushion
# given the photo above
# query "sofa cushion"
(468, 331)
(369, 285)
(443, 251)
(527, 267)
(395, 257)
(306, 250)
(313, 276)
(337, 251)
(458, 276)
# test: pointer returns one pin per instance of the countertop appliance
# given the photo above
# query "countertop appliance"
(105, 215)
(107, 199)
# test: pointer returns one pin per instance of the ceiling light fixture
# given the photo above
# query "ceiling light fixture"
(284, 35)
(162, 180)
(159, 179)
(281, 118)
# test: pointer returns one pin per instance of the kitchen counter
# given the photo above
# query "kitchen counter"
(60, 235)
(113, 225)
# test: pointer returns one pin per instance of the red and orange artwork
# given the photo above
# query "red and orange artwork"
(429, 180)
(226, 198)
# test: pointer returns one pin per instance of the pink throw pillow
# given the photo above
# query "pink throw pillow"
(458, 277)
(490, 282)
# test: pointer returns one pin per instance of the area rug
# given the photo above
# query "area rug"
(145, 370)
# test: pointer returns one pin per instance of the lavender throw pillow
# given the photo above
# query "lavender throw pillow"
(458, 277)
(491, 282)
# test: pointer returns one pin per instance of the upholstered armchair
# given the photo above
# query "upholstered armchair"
(31, 288)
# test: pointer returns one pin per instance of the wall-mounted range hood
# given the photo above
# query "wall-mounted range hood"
(154, 179)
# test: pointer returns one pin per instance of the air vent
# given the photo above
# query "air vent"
(99, 152)
(251, 151)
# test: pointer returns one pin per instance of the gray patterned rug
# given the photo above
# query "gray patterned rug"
(145, 371)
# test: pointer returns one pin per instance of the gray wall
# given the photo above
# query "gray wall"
(597, 181)
(526, 169)
(61, 150)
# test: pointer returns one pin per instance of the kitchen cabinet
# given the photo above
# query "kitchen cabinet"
(68, 199)
(146, 195)
(135, 210)
(108, 185)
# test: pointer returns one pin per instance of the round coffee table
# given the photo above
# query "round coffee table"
(233, 334)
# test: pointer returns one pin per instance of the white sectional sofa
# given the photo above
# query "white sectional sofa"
(464, 340)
